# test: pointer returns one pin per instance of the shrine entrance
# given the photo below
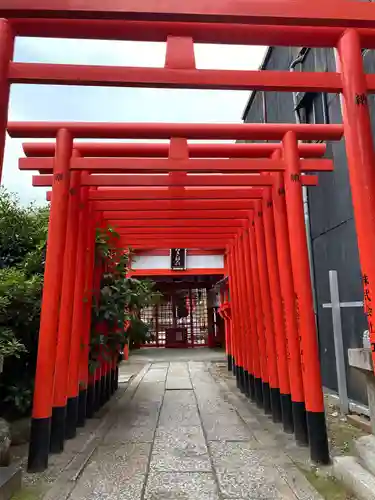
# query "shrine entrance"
(186, 317)
(252, 211)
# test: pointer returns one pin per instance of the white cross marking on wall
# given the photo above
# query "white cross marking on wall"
(336, 306)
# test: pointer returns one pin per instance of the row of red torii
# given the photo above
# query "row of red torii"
(266, 214)
(241, 199)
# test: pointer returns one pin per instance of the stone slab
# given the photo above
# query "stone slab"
(265, 438)
(365, 448)
(150, 391)
(226, 419)
(184, 486)
(125, 378)
(179, 397)
(238, 456)
(360, 422)
(180, 450)
(222, 432)
(357, 479)
(216, 407)
(102, 489)
(179, 417)
(114, 472)
(10, 481)
(360, 358)
(178, 383)
(155, 376)
(133, 420)
(134, 434)
(176, 366)
(298, 483)
(122, 459)
(260, 483)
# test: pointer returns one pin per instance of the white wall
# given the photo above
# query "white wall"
(193, 262)
(205, 261)
(151, 262)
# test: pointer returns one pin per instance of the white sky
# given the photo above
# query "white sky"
(53, 103)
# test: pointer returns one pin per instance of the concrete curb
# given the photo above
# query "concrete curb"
(355, 477)
(10, 481)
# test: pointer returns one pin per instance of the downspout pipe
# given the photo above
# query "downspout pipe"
(299, 60)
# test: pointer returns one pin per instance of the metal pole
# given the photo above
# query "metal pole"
(338, 341)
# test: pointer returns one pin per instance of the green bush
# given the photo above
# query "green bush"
(23, 233)
(138, 333)
(118, 301)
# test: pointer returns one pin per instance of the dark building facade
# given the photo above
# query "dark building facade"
(331, 225)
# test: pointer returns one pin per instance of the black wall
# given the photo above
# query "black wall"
(334, 243)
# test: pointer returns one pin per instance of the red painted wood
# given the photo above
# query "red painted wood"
(181, 223)
(190, 245)
(304, 304)
(156, 150)
(47, 347)
(148, 180)
(168, 272)
(287, 290)
(294, 13)
(6, 55)
(183, 205)
(158, 31)
(122, 76)
(361, 162)
(201, 131)
(188, 195)
(67, 292)
(164, 252)
(171, 231)
(130, 181)
(142, 165)
(176, 214)
(130, 236)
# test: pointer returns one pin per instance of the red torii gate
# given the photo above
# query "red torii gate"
(161, 150)
(346, 25)
(261, 386)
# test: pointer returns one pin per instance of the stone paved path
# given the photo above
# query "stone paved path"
(179, 437)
